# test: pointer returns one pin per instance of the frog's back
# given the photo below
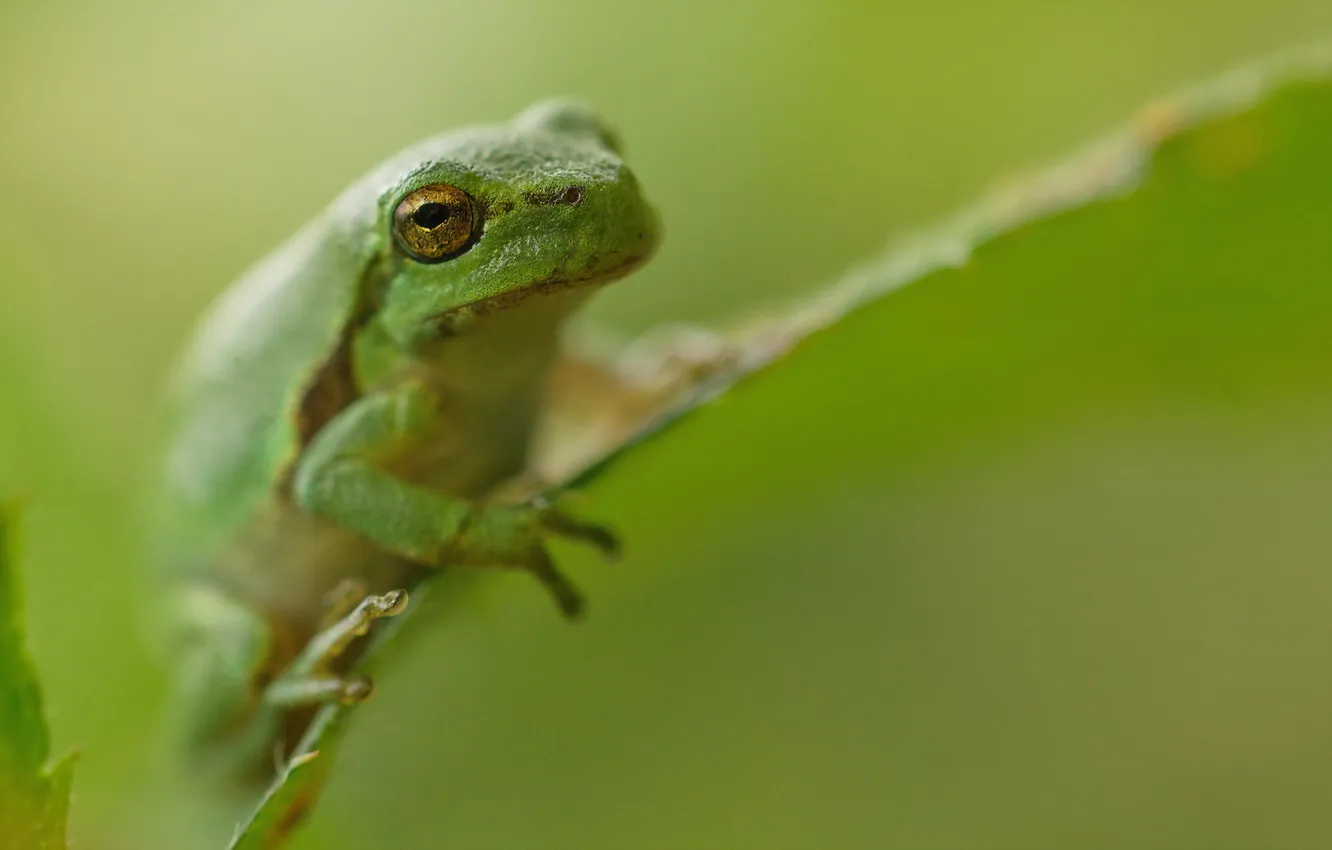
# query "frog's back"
(236, 401)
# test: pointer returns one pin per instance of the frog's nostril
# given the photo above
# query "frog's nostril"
(573, 196)
(570, 196)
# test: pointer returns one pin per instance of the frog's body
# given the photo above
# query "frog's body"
(352, 404)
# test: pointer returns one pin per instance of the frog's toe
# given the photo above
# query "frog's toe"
(566, 596)
(389, 604)
(356, 689)
(299, 691)
(600, 537)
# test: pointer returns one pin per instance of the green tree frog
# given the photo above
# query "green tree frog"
(352, 407)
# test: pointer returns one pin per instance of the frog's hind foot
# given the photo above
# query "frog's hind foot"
(310, 679)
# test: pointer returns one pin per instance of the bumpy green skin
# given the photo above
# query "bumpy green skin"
(346, 411)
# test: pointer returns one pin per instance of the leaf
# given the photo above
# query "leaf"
(288, 798)
(1110, 168)
(34, 798)
(1130, 219)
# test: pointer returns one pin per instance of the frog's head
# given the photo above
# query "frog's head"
(482, 219)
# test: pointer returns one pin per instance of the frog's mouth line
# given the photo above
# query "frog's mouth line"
(554, 283)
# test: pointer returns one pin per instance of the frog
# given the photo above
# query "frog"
(350, 413)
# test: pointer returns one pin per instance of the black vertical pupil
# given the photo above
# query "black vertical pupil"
(431, 215)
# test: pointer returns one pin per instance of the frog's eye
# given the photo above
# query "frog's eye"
(434, 223)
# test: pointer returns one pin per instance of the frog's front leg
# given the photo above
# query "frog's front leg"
(345, 476)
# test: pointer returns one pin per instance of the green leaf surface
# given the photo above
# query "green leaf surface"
(1186, 257)
(34, 798)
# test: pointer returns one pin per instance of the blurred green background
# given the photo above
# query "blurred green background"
(842, 624)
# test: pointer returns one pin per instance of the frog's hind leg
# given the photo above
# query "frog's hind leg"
(224, 726)
(311, 678)
(231, 722)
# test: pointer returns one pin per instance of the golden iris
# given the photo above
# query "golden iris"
(434, 223)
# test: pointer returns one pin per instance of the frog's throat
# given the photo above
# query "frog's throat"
(554, 283)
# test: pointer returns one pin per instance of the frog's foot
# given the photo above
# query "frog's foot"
(310, 679)
(553, 521)
(514, 537)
